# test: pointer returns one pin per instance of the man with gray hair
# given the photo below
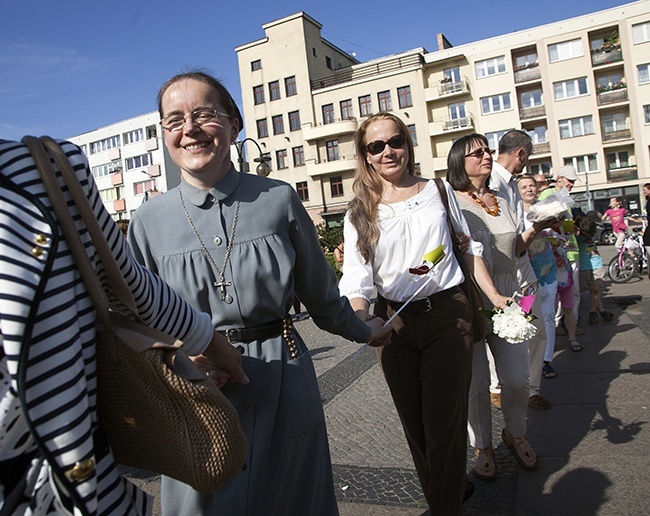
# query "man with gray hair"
(515, 147)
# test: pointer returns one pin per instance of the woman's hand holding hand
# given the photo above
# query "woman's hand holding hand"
(222, 362)
(380, 335)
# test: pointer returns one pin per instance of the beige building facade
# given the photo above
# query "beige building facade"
(579, 87)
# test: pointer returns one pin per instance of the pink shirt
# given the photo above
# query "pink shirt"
(617, 217)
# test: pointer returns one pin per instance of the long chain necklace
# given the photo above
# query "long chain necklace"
(494, 210)
(222, 283)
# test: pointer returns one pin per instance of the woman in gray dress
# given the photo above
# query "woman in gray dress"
(238, 246)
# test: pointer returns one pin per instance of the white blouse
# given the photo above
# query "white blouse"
(408, 230)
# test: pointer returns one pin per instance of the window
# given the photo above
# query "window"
(583, 164)
(565, 50)
(614, 122)
(457, 111)
(256, 65)
(572, 127)
(328, 114)
(336, 186)
(303, 191)
(532, 99)
(281, 159)
(619, 159)
(537, 134)
(346, 110)
(365, 105)
(605, 82)
(539, 168)
(328, 62)
(384, 101)
(111, 194)
(102, 170)
(258, 94)
(494, 138)
(526, 60)
(144, 186)
(646, 112)
(103, 145)
(644, 73)
(294, 120)
(278, 124)
(489, 67)
(332, 148)
(404, 97)
(133, 136)
(290, 86)
(452, 74)
(414, 135)
(571, 88)
(141, 161)
(262, 128)
(495, 103)
(298, 156)
(641, 32)
(274, 90)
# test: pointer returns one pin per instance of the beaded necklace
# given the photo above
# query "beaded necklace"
(494, 210)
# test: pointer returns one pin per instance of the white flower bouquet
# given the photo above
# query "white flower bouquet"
(513, 323)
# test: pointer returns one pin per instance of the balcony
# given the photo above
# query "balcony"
(541, 148)
(614, 136)
(153, 170)
(347, 163)
(439, 163)
(622, 173)
(151, 144)
(528, 72)
(606, 54)
(532, 112)
(114, 154)
(312, 132)
(117, 179)
(447, 89)
(614, 94)
(119, 205)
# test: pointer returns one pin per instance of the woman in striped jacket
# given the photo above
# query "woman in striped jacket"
(53, 454)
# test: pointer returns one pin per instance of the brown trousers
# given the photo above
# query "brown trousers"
(428, 370)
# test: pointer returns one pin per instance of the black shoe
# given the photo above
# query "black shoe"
(593, 317)
(607, 316)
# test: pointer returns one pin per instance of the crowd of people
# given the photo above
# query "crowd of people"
(232, 277)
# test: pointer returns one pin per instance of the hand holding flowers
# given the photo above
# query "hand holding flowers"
(513, 322)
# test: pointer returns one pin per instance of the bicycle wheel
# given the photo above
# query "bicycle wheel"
(621, 269)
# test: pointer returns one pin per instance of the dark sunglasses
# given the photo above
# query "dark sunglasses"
(478, 153)
(377, 146)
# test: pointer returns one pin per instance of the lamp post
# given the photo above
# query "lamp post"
(587, 190)
(263, 169)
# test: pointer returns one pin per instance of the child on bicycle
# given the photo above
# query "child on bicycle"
(592, 271)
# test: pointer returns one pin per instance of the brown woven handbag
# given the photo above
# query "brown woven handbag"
(159, 411)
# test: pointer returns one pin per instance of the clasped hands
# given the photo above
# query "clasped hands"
(221, 362)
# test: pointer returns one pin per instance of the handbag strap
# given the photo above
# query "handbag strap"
(454, 237)
(39, 148)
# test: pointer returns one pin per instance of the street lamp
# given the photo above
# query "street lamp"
(263, 169)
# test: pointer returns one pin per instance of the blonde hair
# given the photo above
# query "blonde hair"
(368, 187)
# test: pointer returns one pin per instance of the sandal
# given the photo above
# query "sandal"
(548, 371)
(575, 345)
(484, 466)
(522, 451)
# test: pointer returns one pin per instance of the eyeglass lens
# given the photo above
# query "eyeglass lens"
(377, 146)
(478, 153)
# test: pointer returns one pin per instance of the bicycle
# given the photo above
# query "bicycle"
(631, 258)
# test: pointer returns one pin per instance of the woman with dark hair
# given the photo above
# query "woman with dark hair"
(393, 221)
(239, 246)
(493, 224)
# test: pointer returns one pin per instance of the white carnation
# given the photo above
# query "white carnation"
(513, 325)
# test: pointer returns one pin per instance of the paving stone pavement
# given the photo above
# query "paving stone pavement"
(579, 440)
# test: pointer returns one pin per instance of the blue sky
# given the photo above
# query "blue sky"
(68, 67)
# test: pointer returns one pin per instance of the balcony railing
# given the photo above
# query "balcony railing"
(529, 72)
(601, 56)
(449, 88)
(621, 134)
(622, 173)
(457, 123)
(532, 112)
(541, 148)
(611, 96)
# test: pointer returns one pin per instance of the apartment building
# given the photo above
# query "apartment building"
(129, 163)
(579, 87)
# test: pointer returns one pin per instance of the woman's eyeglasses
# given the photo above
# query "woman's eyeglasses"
(175, 121)
(478, 153)
(377, 146)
